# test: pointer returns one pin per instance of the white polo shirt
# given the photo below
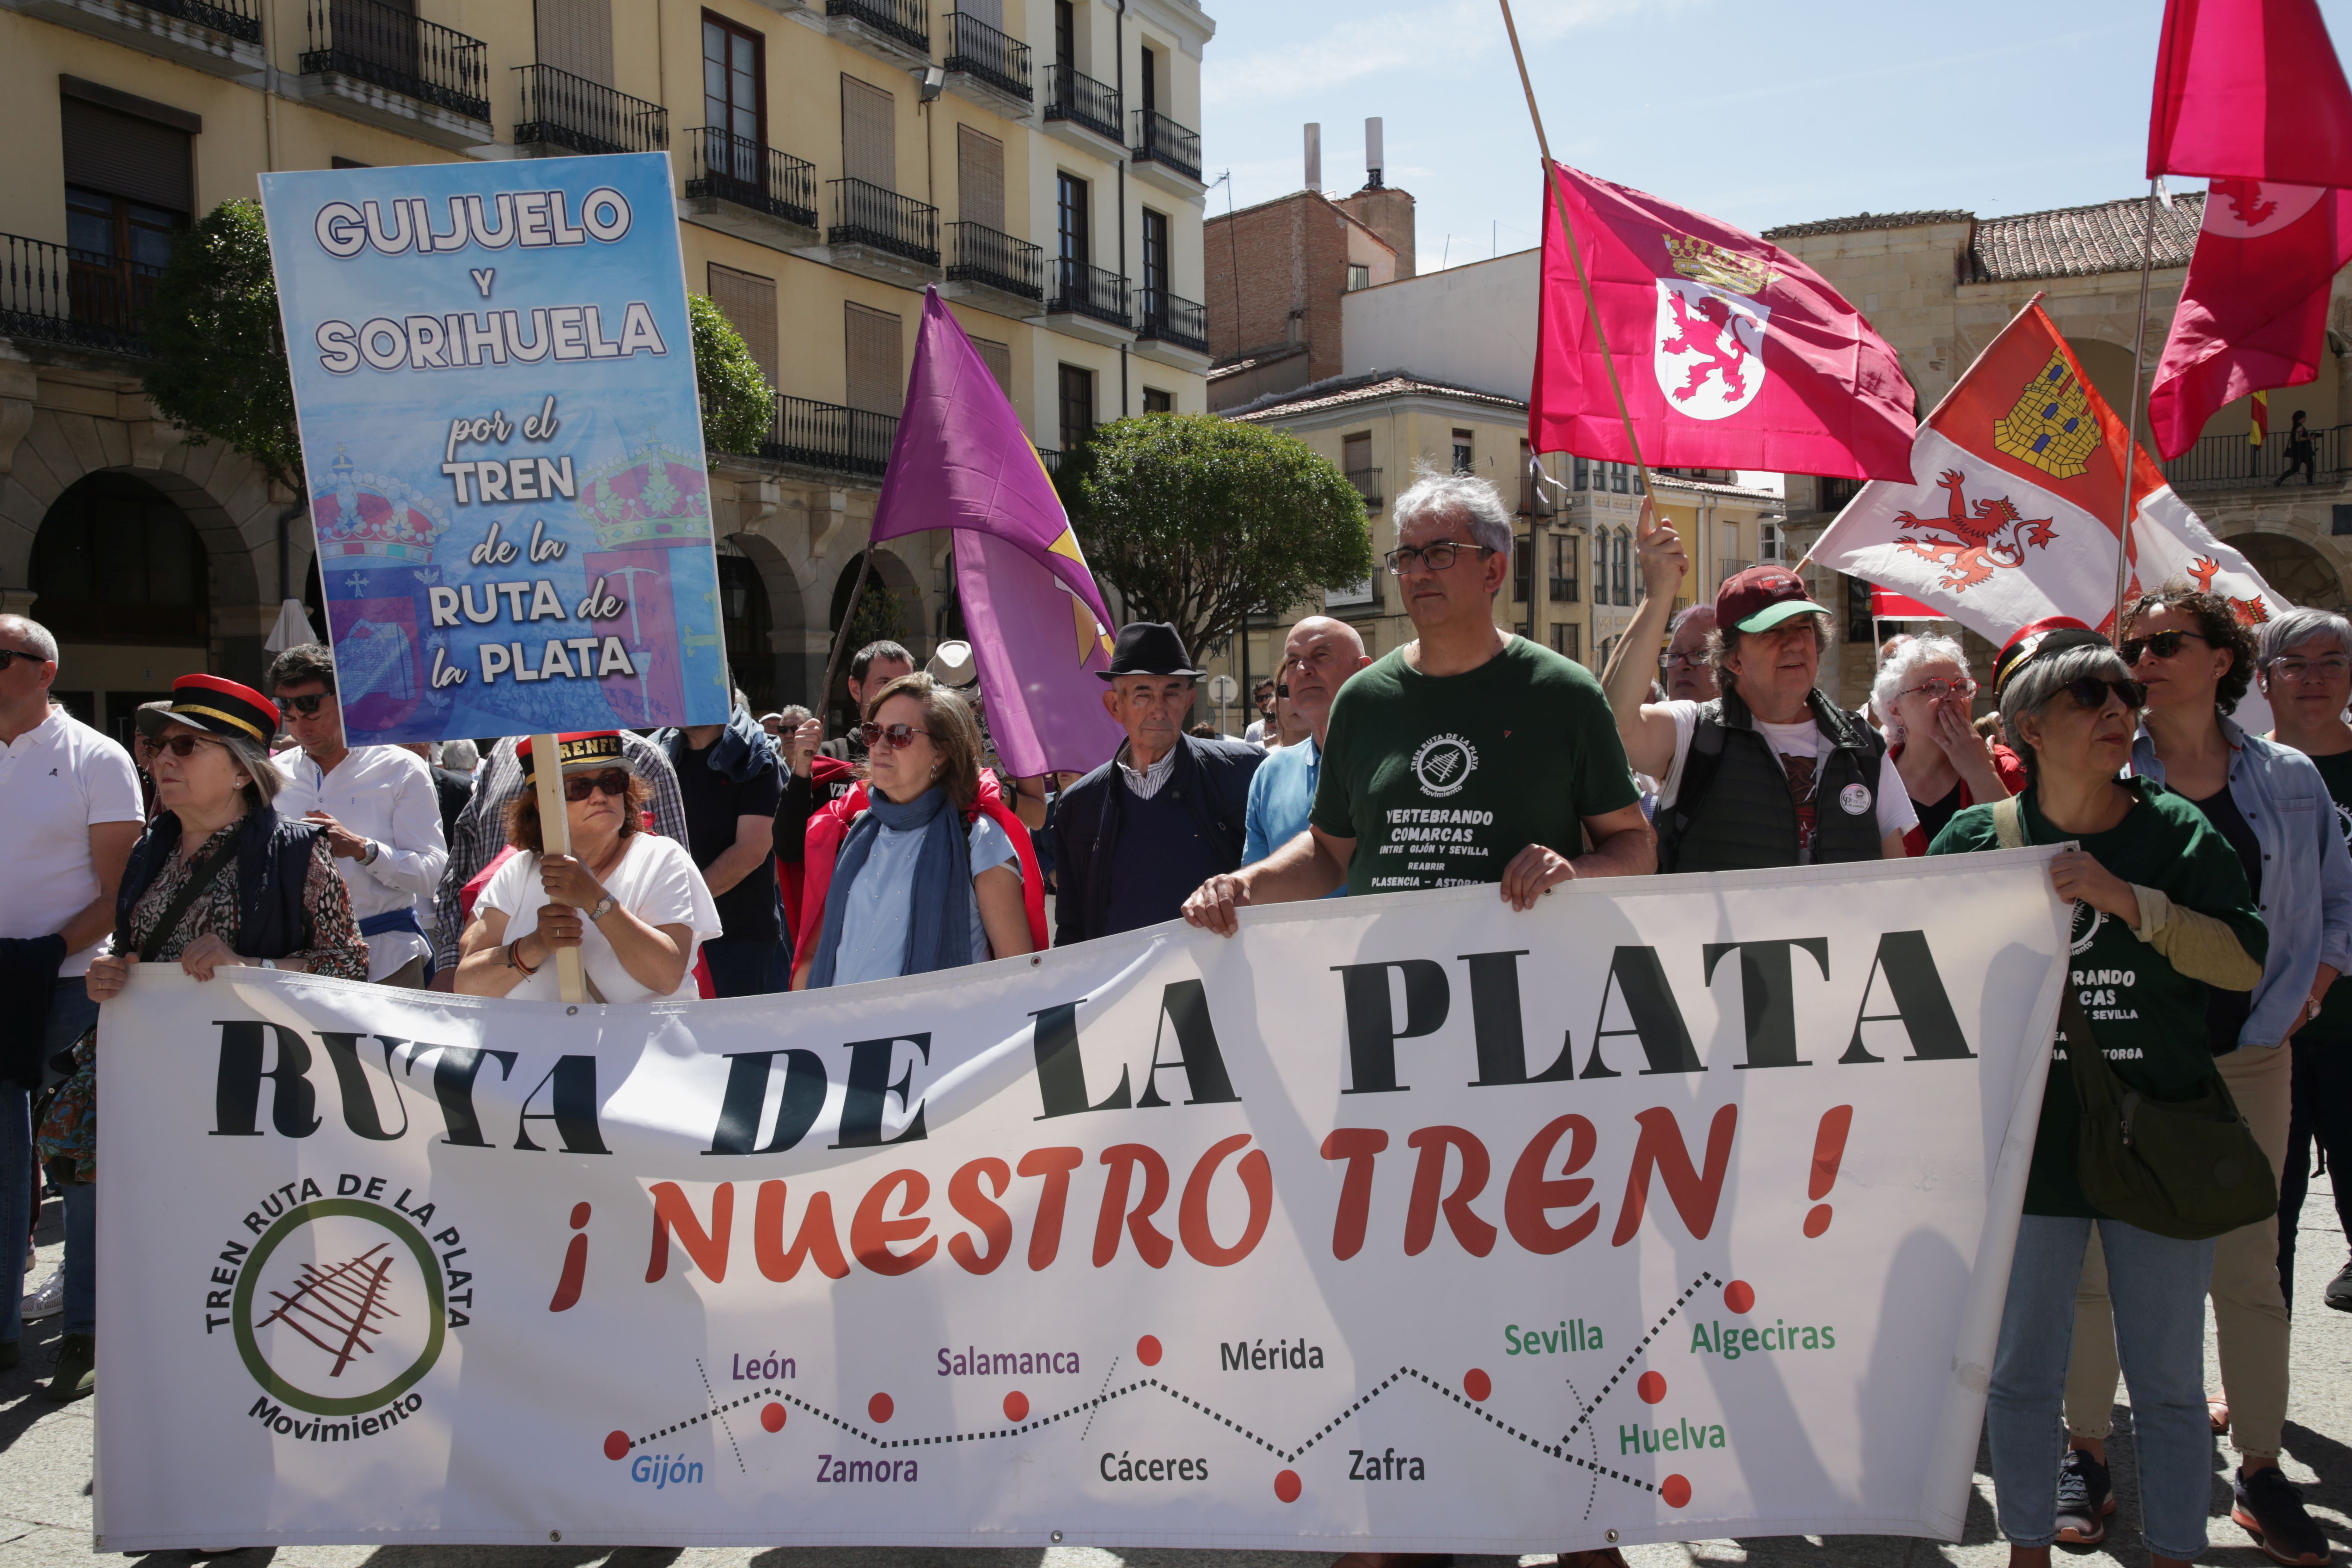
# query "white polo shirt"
(58, 780)
(386, 794)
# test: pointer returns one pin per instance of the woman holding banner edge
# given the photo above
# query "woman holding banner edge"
(2162, 913)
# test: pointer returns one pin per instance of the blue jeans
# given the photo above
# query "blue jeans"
(2159, 1288)
(82, 1258)
(747, 966)
(71, 1012)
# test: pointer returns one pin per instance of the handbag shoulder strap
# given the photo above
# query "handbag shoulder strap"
(200, 877)
(2009, 823)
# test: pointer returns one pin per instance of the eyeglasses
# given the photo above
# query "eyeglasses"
(1438, 557)
(2333, 667)
(307, 705)
(1937, 688)
(888, 737)
(2090, 693)
(2164, 644)
(1682, 661)
(10, 655)
(580, 786)
(185, 746)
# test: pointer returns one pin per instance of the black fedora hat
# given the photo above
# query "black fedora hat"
(1149, 647)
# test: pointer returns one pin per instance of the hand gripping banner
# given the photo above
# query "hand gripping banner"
(1679, 1208)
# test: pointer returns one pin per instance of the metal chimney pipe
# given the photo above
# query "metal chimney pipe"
(1314, 156)
(1374, 161)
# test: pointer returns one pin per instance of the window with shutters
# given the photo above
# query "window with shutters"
(130, 187)
(1148, 75)
(1066, 33)
(748, 303)
(734, 83)
(1158, 401)
(1071, 225)
(1463, 451)
(869, 134)
(1155, 261)
(1567, 639)
(998, 358)
(877, 368)
(1077, 399)
(990, 12)
(576, 36)
(980, 178)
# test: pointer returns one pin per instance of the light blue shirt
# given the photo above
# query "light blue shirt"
(2306, 898)
(873, 915)
(1281, 795)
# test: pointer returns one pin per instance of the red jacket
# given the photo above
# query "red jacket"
(825, 772)
(2005, 763)
(831, 825)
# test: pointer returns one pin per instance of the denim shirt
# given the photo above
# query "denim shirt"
(2307, 898)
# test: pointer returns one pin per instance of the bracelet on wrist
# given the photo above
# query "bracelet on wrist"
(514, 958)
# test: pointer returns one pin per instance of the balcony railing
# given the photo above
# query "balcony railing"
(1083, 290)
(828, 435)
(866, 213)
(1170, 320)
(908, 21)
(1368, 484)
(1052, 457)
(2218, 460)
(1160, 139)
(400, 50)
(1564, 590)
(560, 110)
(1074, 96)
(238, 19)
(737, 169)
(80, 298)
(998, 260)
(979, 49)
(1837, 491)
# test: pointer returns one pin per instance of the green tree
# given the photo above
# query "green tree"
(881, 613)
(1199, 520)
(219, 371)
(736, 400)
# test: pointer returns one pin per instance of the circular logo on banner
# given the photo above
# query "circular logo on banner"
(339, 1310)
(1443, 764)
(2249, 209)
(1855, 798)
(2088, 919)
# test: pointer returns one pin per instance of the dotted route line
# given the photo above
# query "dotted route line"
(710, 1414)
(1108, 1374)
(1585, 1413)
(718, 1411)
(1592, 1443)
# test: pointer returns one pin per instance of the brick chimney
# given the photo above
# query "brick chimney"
(1382, 208)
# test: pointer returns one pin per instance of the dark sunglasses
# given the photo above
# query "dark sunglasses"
(2090, 693)
(185, 746)
(893, 737)
(10, 655)
(306, 705)
(2164, 644)
(580, 786)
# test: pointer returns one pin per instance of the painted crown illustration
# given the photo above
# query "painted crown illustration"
(656, 496)
(374, 515)
(1702, 262)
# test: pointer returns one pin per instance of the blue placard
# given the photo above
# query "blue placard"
(494, 375)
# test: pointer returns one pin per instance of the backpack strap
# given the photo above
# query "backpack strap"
(2009, 823)
(1700, 766)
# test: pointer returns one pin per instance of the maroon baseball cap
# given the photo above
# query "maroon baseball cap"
(1761, 597)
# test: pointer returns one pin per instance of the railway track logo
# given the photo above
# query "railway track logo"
(339, 1310)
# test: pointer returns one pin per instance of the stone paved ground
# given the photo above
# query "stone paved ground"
(45, 1469)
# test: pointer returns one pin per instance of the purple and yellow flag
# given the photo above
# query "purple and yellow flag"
(1038, 629)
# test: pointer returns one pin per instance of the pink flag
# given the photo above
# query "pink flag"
(1732, 352)
(2253, 314)
(2250, 89)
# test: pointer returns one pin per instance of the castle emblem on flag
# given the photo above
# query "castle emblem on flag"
(2050, 427)
(2249, 611)
(1971, 545)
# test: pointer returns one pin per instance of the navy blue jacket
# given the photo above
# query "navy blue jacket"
(273, 866)
(1212, 778)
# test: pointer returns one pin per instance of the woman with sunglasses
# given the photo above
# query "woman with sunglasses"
(2162, 917)
(631, 901)
(2272, 805)
(1922, 693)
(923, 867)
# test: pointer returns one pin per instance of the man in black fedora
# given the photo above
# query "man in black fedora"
(1165, 814)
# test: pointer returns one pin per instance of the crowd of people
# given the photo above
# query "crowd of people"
(2205, 865)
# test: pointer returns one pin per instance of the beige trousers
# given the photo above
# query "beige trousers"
(2249, 1314)
(410, 976)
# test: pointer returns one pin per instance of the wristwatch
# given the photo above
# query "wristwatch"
(373, 849)
(604, 907)
(266, 963)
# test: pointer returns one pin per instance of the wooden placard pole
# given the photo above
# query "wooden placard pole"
(555, 839)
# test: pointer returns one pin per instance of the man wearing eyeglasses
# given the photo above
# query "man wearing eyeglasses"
(1468, 756)
(378, 808)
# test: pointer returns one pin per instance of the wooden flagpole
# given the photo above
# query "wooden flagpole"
(841, 634)
(2131, 414)
(555, 839)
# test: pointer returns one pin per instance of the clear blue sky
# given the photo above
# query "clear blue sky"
(1759, 111)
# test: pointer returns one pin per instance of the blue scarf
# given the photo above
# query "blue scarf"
(938, 906)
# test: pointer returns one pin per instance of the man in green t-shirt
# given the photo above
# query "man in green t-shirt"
(1468, 755)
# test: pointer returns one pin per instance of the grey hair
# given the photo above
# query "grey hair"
(1478, 501)
(261, 773)
(1723, 644)
(1897, 669)
(2296, 627)
(461, 755)
(1687, 614)
(44, 641)
(2032, 688)
(794, 715)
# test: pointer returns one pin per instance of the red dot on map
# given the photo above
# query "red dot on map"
(879, 1408)
(1817, 1220)
(1675, 1491)
(1286, 1486)
(1652, 1387)
(1016, 1407)
(615, 1444)
(1739, 1296)
(1476, 1384)
(771, 1416)
(579, 1215)
(1147, 1350)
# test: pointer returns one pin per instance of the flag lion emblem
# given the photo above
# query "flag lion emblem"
(1969, 546)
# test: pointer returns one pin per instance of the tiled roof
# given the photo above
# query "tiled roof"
(2076, 242)
(1254, 359)
(1861, 221)
(1337, 392)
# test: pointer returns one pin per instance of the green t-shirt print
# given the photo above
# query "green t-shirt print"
(1440, 780)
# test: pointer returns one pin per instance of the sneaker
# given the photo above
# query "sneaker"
(2086, 1497)
(76, 1372)
(2269, 1508)
(49, 1300)
(2340, 1290)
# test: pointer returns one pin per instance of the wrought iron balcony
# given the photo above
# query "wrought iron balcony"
(2221, 461)
(560, 110)
(1169, 319)
(1160, 139)
(979, 50)
(996, 260)
(400, 51)
(1052, 457)
(1083, 290)
(238, 19)
(737, 169)
(828, 435)
(864, 213)
(1074, 96)
(1563, 590)
(1368, 484)
(80, 298)
(908, 21)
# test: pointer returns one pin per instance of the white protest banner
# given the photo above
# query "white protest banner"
(1677, 1208)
